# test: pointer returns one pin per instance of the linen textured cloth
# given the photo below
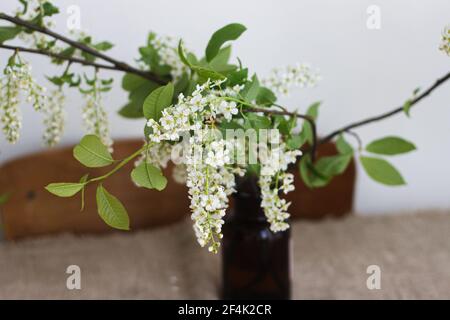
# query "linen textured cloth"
(330, 262)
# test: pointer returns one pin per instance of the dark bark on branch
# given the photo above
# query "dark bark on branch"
(118, 65)
(382, 116)
(58, 56)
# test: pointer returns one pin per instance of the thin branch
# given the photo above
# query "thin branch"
(119, 65)
(59, 56)
(382, 116)
(357, 138)
(292, 114)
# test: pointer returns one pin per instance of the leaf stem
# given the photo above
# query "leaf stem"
(120, 165)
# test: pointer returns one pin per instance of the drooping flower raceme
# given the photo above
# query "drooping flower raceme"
(273, 180)
(282, 80)
(95, 118)
(55, 118)
(17, 80)
(210, 177)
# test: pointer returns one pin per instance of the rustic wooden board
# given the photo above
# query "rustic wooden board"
(32, 211)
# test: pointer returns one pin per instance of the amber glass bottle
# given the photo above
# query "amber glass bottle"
(256, 261)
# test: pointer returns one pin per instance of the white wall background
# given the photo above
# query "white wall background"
(365, 72)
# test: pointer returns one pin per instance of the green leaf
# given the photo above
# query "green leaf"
(111, 210)
(407, 106)
(64, 189)
(237, 77)
(131, 111)
(251, 89)
(343, 146)
(205, 73)
(310, 176)
(158, 100)
(265, 97)
(408, 103)
(390, 146)
(8, 33)
(131, 82)
(49, 9)
(257, 122)
(382, 171)
(295, 142)
(148, 176)
(138, 93)
(103, 46)
(182, 54)
(333, 165)
(92, 153)
(227, 33)
(220, 61)
(313, 112)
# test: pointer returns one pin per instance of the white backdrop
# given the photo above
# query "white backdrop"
(365, 72)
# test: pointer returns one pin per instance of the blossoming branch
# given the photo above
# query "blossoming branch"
(212, 117)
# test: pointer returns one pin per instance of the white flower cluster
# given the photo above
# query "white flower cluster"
(95, 118)
(209, 201)
(18, 79)
(209, 178)
(190, 112)
(167, 48)
(281, 80)
(445, 45)
(273, 172)
(55, 118)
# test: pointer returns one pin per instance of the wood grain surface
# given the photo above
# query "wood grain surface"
(32, 211)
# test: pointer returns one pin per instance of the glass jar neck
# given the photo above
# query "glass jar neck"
(247, 199)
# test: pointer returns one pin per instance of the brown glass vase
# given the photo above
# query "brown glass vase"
(255, 260)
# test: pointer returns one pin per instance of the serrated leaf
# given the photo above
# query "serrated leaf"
(227, 33)
(390, 146)
(158, 100)
(148, 176)
(111, 210)
(92, 153)
(382, 171)
(64, 189)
